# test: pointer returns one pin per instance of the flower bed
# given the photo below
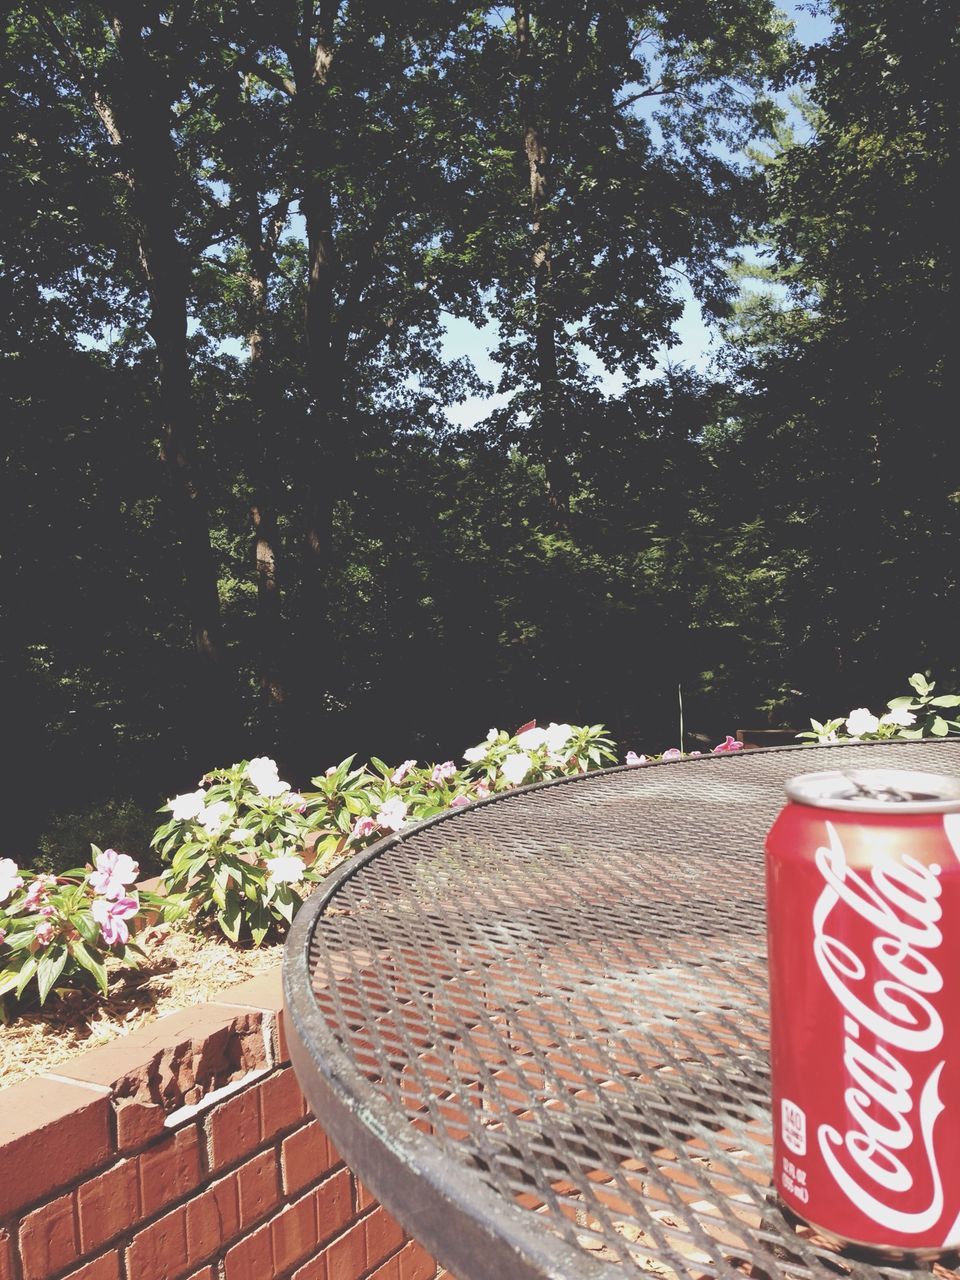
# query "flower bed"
(235, 844)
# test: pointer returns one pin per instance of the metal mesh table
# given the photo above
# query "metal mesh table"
(536, 1027)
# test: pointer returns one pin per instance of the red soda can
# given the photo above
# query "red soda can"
(863, 924)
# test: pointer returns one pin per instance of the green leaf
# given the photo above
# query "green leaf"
(8, 980)
(919, 682)
(26, 973)
(946, 700)
(88, 960)
(939, 727)
(229, 917)
(49, 969)
(895, 703)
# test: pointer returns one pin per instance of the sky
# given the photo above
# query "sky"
(697, 341)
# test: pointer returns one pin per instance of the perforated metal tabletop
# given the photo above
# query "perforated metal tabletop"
(536, 1027)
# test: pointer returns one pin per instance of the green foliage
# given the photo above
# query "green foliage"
(244, 846)
(67, 837)
(921, 714)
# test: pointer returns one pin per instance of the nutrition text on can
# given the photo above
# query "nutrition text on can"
(863, 920)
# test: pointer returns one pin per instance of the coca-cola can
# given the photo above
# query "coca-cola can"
(863, 922)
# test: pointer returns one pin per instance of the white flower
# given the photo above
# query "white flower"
(287, 869)
(515, 768)
(392, 815)
(862, 721)
(557, 736)
(532, 739)
(900, 716)
(262, 772)
(188, 806)
(240, 835)
(10, 878)
(473, 755)
(492, 735)
(215, 816)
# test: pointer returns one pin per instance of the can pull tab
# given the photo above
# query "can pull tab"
(884, 792)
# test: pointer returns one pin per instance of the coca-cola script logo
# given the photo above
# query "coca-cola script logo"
(899, 898)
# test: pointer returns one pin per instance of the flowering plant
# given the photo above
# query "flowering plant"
(57, 931)
(234, 846)
(728, 746)
(916, 715)
(352, 807)
(533, 754)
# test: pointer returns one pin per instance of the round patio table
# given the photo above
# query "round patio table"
(536, 1027)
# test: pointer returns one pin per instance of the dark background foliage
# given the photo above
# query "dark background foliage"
(238, 518)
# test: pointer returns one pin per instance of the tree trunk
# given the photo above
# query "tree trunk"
(324, 466)
(263, 509)
(537, 160)
(139, 120)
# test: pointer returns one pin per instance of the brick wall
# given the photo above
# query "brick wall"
(186, 1150)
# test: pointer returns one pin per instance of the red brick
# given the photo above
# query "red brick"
(259, 1187)
(159, 1252)
(208, 1273)
(51, 1133)
(6, 1255)
(196, 1032)
(265, 992)
(364, 1199)
(252, 1258)
(106, 1267)
(384, 1235)
(389, 1271)
(213, 1219)
(138, 1123)
(169, 1170)
(293, 1232)
(48, 1239)
(347, 1256)
(234, 1128)
(315, 1269)
(416, 1263)
(304, 1157)
(281, 1103)
(334, 1205)
(282, 1048)
(108, 1204)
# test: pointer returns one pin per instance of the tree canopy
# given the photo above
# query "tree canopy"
(240, 518)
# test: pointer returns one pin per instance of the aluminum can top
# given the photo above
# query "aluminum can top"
(877, 791)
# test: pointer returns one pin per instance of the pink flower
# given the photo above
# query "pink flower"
(695, 754)
(48, 911)
(728, 744)
(112, 918)
(362, 828)
(114, 872)
(672, 753)
(44, 933)
(2, 937)
(401, 771)
(441, 772)
(38, 891)
(295, 800)
(10, 878)
(482, 790)
(633, 758)
(459, 801)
